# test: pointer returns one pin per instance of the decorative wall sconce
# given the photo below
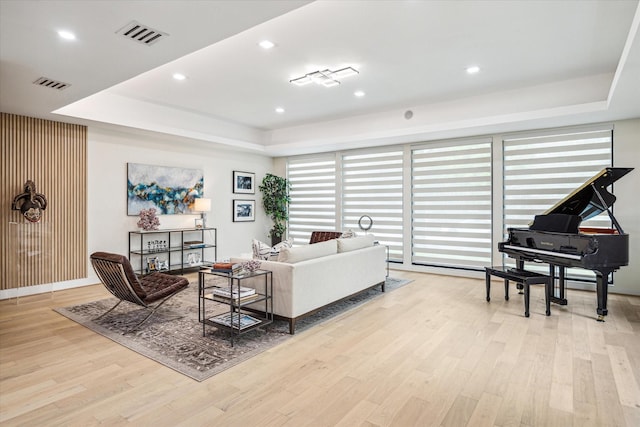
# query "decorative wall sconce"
(30, 203)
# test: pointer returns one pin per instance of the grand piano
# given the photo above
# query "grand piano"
(556, 238)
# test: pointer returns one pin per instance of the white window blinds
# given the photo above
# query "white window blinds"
(451, 204)
(313, 199)
(542, 169)
(372, 185)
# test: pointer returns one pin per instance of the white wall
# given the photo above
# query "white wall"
(110, 151)
(626, 153)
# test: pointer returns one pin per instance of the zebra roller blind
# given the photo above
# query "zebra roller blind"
(542, 169)
(451, 204)
(372, 185)
(313, 196)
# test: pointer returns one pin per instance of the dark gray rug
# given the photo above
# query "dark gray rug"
(173, 335)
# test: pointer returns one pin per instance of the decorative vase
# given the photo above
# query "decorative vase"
(148, 220)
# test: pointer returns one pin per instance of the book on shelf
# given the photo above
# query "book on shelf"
(240, 291)
(226, 267)
(231, 320)
(234, 300)
(193, 244)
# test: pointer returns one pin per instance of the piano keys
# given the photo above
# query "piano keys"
(555, 237)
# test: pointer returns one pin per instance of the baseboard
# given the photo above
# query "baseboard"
(44, 288)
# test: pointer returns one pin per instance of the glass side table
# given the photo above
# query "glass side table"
(232, 297)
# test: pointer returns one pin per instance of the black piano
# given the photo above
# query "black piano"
(557, 239)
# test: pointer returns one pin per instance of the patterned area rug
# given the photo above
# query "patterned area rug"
(173, 335)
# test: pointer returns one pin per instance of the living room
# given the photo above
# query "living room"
(111, 146)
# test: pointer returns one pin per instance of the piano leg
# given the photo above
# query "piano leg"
(519, 286)
(557, 297)
(561, 281)
(487, 284)
(526, 300)
(602, 289)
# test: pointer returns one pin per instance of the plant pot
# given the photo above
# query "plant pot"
(275, 240)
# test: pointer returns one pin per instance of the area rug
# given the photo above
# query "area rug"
(173, 335)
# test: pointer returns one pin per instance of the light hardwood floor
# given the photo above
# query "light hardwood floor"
(431, 353)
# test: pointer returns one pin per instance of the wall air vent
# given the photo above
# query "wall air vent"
(141, 33)
(50, 83)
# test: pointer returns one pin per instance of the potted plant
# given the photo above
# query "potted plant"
(275, 199)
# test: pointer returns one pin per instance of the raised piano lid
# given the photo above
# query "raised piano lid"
(584, 201)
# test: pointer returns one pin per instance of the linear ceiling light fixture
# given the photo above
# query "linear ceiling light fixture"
(326, 78)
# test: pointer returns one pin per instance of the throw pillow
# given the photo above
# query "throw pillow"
(263, 251)
(260, 250)
(349, 234)
(302, 253)
(288, 243)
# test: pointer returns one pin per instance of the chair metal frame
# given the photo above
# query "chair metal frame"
(113, 277)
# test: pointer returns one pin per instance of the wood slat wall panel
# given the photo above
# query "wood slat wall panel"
(54, 156)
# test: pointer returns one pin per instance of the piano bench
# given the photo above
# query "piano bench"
(523, 277)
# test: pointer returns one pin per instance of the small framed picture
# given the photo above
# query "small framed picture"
(244, 210)
(194, 259)
(244, 182)
(152, 264)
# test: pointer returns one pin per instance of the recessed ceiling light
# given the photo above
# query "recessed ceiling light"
(67, 35)
(359, 93)
(473, 69)
(179, 76)
(266, 44)
(279, 110)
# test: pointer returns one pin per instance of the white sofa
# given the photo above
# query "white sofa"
(307, 278)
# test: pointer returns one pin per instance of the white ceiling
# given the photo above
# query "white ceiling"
(543, 63)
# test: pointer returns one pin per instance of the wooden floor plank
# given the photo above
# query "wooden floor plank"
(432, 353)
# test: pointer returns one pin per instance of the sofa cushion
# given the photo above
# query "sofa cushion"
(346, 245)
(302, 253)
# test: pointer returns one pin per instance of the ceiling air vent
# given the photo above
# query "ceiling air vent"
(50, 83)
(141, 33)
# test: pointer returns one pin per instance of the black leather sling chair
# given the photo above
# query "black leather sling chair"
(117, 275)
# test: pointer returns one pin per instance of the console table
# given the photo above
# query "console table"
(172, 249)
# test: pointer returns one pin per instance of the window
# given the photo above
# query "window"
(372, 185)
(542, 169)
(451, 204)
(313, 199)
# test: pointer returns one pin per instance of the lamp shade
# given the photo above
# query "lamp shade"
(202, 205)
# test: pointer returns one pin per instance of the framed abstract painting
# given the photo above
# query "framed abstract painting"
(170, 190)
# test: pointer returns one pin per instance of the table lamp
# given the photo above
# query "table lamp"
(202, 205)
